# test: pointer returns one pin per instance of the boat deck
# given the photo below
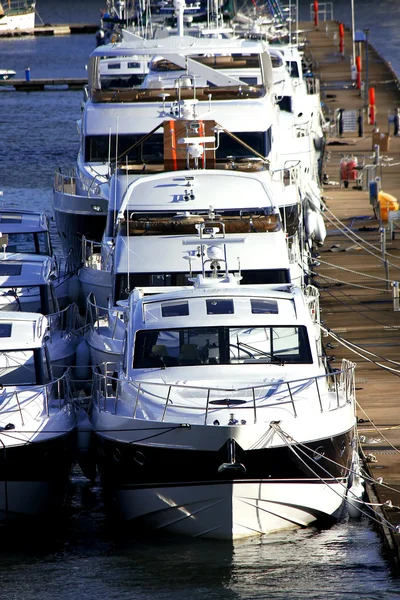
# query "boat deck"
(359, 266)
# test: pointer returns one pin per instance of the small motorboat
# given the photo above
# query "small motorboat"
(6, 74)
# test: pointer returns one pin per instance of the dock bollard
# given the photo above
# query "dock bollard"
(28, 74)
(396, 121)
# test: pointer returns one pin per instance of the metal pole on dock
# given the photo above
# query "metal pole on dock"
(353, 32)
(383, 249)
(366, 31)
(396, 305)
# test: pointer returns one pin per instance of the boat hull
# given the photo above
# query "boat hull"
(34, 477)
(75, 217)
(230, 510)
(25, 21)
(201, 494)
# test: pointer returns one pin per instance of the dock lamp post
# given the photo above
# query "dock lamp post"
(366, 31)
(353, 34)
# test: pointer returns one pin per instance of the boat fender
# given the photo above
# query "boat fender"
(74, 288)
(82, 369)
(319, 229)
(318, 143)
(85, 448)
(310, 222)
(314, 195)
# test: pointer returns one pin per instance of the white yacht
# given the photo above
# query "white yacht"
(29, 233)
(165, 230)
(223, 420)
(27, 285)
(37, 421)
(225, 84)
(17, 15)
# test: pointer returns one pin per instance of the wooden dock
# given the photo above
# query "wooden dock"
(359, 263)
(59, 29)
(40, 85)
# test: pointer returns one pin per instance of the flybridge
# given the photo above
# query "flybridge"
(213, 65)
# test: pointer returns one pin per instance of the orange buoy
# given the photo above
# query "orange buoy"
(371, 114)
(371, 95)
(341, 38)
(358, 65)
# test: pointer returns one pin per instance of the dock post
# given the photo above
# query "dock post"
(396, 305)
(366, 31)
(28, 74)
(396, 121)
(383, 250)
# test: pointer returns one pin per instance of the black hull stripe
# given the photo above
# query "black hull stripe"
(122, 464)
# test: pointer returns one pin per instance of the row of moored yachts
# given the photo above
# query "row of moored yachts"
(190, 222)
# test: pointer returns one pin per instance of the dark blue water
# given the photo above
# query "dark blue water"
(82, 557)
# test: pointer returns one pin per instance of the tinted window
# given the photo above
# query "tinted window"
(9, 269)
(5, 329)
(220, 307)
(175, 309)
(267, 307)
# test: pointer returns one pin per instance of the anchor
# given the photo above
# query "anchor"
(232, 465)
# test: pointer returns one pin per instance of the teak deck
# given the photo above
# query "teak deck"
(355, 283)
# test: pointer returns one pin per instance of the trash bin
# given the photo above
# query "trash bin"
(373, 192)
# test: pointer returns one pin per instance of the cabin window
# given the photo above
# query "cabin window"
(293, 68)
(11, 218)
(98, 148)
(276, 61)
(163, 348)
(228, 146)
(249, 80)
(8, 269)
(134, 65)
(266, 307)
(141, 280)
(263, 276)
(175, 309)
(223, 306)
(5, 330)
(114, 66)
(29, 243)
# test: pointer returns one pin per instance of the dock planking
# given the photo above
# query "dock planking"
(40, 85)
(359, 262)
(47, 29)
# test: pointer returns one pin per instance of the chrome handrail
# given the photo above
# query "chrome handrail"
(341, 383)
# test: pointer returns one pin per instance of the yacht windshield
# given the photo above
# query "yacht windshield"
(221, 345)
(29, 243)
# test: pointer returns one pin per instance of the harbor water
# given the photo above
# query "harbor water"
(82, 555)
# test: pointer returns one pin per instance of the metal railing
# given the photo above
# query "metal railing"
(66, 183)
(57, 391)
(64, 320)
(92, 251)
(338, 386)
